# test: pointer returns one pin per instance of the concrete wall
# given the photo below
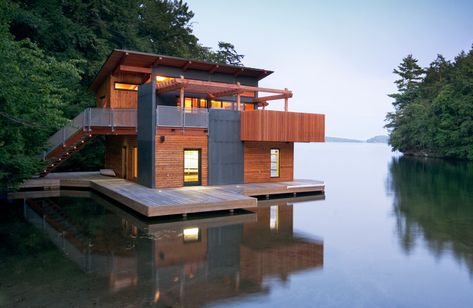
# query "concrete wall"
(225, 162)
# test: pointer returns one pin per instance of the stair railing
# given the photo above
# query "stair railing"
(90, 118)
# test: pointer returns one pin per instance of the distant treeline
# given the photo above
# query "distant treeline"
(433, 108)
(50, 52)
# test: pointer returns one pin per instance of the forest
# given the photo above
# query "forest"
(50, 52)
(433, 108)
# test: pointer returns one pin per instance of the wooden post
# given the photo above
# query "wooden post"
(181, 97)
(286, 102)
(238, 98)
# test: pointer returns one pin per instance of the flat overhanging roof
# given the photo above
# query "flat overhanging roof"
(133, 59)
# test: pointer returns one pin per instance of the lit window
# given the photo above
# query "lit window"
(227, 105)
(249, 107)
(274, 163)
(203, 103)
(216, 104)
(126, 86)
(162, 78)
(191, 234)
(188, 103)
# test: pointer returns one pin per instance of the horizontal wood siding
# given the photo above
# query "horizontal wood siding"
(257, 161)
(113, 155)
(170, 158)
(270, 125)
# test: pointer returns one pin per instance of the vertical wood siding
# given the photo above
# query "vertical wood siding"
(170, 158)
(114, 158)
(257, 161)
(270, 125)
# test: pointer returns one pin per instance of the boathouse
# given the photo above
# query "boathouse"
(172, 122)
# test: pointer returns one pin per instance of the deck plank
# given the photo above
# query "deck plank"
(173, 201)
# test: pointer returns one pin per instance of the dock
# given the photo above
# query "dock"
(153, 202)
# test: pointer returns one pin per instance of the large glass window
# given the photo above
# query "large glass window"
(274, 163)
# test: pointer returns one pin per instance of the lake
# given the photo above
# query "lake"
(391, 231)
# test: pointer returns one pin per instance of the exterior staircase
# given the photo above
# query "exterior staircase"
(79, 131)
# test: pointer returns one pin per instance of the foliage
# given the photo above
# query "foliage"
(51, 51)
(34, 87)
(433, 108)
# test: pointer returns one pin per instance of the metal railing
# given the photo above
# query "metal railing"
(92, 117)
(177, 117)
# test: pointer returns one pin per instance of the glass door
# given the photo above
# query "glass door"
(192, 166)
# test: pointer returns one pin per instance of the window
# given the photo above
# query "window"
(274, 163)
(126, 86)
(135, 162)
(192, 167)
(227, 105)
(162, 78)
(249, 106)
(216, 104)
(203, 103)
(191, 235)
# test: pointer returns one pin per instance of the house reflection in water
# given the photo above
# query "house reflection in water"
(181, 262)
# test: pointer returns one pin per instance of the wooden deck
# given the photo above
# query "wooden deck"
(171, 201)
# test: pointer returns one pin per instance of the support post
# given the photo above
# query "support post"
(90, 118)
(238, 98)
(181, 98)
(286, 102)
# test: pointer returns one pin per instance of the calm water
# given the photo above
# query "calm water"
(391, 232)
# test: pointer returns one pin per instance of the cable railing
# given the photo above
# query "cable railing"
(92, 117)
(171, 116)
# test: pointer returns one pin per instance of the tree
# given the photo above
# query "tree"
(35, 87)
(433, 115)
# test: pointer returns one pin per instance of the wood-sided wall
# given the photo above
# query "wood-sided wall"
(119, 154)
(170, 158)
(107, 97)
(270, 125)
(257, 159)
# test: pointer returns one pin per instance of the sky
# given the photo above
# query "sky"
(336, 56)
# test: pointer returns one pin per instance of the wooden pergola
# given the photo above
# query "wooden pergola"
(215, 90)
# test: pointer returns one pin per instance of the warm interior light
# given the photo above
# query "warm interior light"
(162, 78)
(191, 234)
(126, 86)
(157, 295)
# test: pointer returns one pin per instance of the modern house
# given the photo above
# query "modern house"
(172, 122)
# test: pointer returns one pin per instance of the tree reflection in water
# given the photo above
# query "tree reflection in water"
(433, 204)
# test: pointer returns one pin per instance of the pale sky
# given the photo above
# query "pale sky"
(336, 56)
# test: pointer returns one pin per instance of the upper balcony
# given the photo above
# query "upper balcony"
(270, 125)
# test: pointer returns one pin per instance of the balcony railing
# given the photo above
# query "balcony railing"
(170, 116)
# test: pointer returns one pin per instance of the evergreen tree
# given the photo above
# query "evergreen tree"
(434, 113)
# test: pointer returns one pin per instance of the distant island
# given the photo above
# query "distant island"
(378, 139)
(375, 139)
